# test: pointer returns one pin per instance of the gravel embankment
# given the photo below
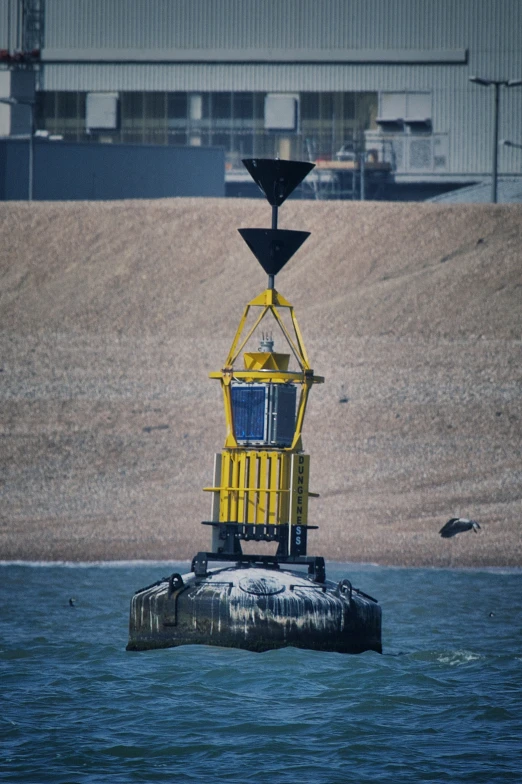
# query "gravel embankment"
(114, 313)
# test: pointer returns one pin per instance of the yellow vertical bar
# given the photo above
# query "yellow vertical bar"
(234, 485)
(269, 494)
(284, 483)
(224, 494)
(242, 484)
(246, 485)
(215, 509)
(263, 484)
(259, 468)
(216, 496)
(277, 482)
(279, 494)
(274, 486)
(252, 483)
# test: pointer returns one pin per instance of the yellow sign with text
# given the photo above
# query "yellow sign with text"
(299, 478)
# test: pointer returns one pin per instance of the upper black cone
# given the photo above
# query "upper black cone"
(277, 179)
(273, 247)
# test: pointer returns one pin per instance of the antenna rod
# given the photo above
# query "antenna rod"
(274, 227)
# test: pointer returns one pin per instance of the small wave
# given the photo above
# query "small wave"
(456, 658)
(364, 566)
(90, 564)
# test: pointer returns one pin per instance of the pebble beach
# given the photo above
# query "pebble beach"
(114, 313)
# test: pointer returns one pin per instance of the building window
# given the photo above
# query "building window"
(154, 106)
(349, 101)
(310, 106)
(67, 106)
(330, 121)
(61, 113)
(177, 106)
(221, 106)
(243, 106)
(233, 120)
(132, 107)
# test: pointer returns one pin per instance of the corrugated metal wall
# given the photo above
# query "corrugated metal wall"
(309, 24)
(490, 30)
(10, 24)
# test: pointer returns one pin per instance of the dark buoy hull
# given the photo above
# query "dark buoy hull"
(256, 609)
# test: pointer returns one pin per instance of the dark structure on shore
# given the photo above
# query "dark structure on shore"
(76, 171)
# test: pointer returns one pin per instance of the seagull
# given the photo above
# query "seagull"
(456, 525)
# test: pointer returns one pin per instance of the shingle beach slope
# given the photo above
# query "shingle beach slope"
(112, 314)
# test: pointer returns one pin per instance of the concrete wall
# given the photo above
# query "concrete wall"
(64, 170)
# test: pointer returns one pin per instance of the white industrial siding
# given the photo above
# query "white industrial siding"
(311, 24)
(211, 77)
(460, 108)
(10, 24)
(482, 37)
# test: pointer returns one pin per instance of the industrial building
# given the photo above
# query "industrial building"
(378, 86)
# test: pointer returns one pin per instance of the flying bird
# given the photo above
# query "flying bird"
(456, 525)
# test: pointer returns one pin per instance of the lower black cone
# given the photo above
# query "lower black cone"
(277, 179)
(273, 247)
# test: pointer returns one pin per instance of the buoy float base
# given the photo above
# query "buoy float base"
(257, 609)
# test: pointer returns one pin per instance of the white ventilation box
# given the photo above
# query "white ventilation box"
(101, 111)
(281, 112)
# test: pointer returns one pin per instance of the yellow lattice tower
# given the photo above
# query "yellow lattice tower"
(261, 478)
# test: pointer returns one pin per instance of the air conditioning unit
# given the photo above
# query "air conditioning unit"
(281, 112)
(264, 414)
(101, 111)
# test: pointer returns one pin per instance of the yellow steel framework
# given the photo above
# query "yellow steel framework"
(265, 486)
(269, 302)
(255, 487)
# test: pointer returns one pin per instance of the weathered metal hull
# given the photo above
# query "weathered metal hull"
(254, 608)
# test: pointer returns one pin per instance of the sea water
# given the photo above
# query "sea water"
(443, 703)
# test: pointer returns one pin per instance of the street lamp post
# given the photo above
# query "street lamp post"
(30, 104)
(497, 84)
(507, 143)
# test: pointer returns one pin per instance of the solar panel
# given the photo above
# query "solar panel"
(264, 414)
(249, 409)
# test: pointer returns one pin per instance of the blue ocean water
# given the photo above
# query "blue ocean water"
(443, 703)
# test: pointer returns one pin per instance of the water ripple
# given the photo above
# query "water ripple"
(441, 705)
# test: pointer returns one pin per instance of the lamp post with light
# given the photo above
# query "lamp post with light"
(497, 84)
(30, 104)
(507, 143)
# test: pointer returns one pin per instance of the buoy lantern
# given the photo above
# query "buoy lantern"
(260, 491)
